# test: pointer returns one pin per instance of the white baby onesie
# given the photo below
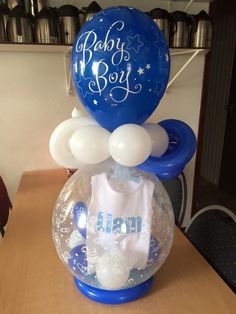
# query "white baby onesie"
(119, 220)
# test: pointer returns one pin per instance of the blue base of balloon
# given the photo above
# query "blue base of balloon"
(114, 296)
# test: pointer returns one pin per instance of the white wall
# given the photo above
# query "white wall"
(182, 101)
(33, 101)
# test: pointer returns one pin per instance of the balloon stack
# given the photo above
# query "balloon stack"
(113, 222)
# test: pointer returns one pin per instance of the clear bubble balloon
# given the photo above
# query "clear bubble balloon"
(113, 226)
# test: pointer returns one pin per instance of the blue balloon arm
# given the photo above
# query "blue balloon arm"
(182, 146)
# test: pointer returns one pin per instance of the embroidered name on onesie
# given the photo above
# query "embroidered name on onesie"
(106, 223)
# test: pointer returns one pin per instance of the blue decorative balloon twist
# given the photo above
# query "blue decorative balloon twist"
(181, 149)
(120, 66)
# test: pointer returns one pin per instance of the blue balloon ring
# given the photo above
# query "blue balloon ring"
(182, 146)
(114, 296)
(120, 66)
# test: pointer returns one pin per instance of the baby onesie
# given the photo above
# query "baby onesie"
(119, 221)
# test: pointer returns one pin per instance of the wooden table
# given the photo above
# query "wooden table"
(34, 281)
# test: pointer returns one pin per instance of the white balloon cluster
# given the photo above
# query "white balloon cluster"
(80, 140)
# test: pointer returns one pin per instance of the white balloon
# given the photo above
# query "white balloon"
(112, 271)
(130, 145)
(75, 239)
(89, 144)
(76, 113)
(160, 139)
(58, 144)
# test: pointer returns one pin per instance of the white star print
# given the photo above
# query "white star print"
(159, 89)
(140, 71)
(150, 89)
(95, 102)
(100, 20)
(134, 43)
(83, 86)
(167, 58)
(156, 91)
(148, 66)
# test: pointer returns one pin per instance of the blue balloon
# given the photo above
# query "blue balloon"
(78, 260)
(120, 66)
(181, 149)
(80, 213)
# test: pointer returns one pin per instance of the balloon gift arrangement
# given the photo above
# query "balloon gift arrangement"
(113, 222)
